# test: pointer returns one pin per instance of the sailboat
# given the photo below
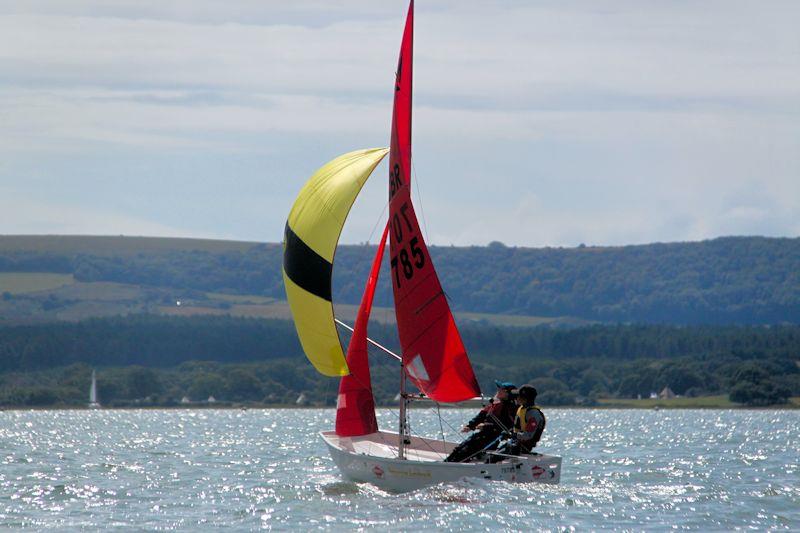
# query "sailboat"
(93, 392)
(433, 356)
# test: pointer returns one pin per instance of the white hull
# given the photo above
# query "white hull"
(373, 459)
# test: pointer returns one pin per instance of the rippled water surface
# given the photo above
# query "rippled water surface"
(180, 469)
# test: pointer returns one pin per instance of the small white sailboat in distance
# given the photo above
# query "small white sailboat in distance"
(93, 392)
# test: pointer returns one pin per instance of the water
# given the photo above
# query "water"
(184, 469)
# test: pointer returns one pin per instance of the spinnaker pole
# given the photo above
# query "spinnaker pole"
(372, 342)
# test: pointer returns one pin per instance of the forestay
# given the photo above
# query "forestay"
(355, 405)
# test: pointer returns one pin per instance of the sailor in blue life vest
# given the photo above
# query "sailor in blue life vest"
(487, 425)
(528, 426)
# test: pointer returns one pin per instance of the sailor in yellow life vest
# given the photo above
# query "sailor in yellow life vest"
(528, 426)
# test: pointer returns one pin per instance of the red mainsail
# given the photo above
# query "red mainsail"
(433, 353)
(355, 406)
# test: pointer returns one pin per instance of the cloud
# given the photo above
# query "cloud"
(605, 123)
(21, 216)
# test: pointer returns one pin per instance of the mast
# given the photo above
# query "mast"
(402, 433)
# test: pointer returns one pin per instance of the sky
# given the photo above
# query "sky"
(536, 123)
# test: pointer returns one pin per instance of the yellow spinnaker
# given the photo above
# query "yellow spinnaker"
(312, 232)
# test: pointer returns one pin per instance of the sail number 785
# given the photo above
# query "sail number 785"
(403, 262)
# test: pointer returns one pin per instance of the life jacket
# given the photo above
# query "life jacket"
(520, 422)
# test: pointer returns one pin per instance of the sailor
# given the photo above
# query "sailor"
(528, 426)
(487, 425)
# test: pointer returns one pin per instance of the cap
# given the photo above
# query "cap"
(505, 385)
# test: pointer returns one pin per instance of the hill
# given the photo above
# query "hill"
(107, 245)
(730, 280)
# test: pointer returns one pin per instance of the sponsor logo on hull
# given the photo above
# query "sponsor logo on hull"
(409, 473)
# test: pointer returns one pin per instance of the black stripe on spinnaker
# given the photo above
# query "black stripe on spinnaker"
(305, 267)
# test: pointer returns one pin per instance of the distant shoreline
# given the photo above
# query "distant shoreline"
(703, 403)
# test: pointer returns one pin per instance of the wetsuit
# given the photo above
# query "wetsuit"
(496, 417)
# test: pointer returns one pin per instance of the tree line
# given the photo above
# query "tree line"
(159, 360)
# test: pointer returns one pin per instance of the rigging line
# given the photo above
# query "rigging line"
(365, 251)
(375, 226)
(499, 423)
(427, 444)
(380, 217)
(441, 427)
(386, 350)
(484, 449)
(448, 424)
(327, 395)
(385, 364)
(421, 207)
(372, 342)
(454, 431)
(360, 382)
(380, 433)
(356, 378)
(397, 415)
(423, 440)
